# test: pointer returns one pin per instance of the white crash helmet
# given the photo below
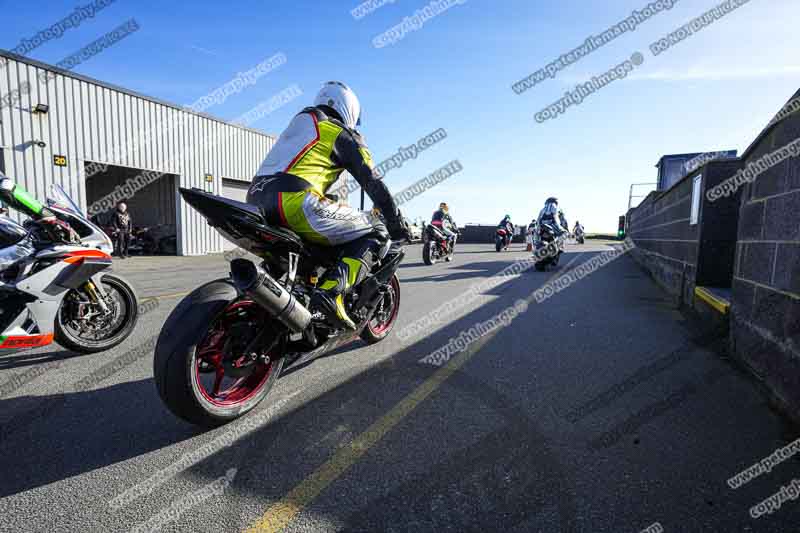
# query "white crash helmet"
(343, 100)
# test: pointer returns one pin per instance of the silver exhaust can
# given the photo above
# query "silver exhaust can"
(269, 294)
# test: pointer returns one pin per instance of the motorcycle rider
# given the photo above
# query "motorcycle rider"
(578, 228)
(290, 186)
(553, 215)
(441, 219)
(508, 226)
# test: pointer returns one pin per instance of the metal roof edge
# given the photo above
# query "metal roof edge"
(87, 79)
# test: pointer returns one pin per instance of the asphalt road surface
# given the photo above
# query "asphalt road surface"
(600, 409)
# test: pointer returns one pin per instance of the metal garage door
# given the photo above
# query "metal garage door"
(235, 190)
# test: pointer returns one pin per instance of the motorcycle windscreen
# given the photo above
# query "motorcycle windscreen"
(57, 197)
(67, 210)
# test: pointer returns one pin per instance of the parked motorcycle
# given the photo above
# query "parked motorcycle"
(502, 239)
(53, 284)
(436, 246)
(547, 239)
(224, 346)
(161, 239)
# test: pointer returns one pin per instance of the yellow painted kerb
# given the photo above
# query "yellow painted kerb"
(717, 303)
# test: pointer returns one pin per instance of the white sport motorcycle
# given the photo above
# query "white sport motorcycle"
(57, 287)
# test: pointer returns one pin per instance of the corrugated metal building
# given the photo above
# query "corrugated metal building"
(89, 122)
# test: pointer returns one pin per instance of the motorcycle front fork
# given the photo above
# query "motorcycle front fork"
(94, 296)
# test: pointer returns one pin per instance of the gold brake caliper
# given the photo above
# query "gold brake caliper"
(92, 291)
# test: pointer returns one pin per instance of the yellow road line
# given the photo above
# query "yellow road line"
(280, 514)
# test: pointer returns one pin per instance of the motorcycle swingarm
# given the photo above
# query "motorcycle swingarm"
(297, 360)
(301, 359)
(369, 295)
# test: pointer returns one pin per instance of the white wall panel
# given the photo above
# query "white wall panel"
(92, 121)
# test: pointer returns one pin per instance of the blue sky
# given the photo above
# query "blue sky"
(714, 91)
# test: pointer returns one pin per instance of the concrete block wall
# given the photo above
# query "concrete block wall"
(666, 244)
(765, 312)
(485, 234)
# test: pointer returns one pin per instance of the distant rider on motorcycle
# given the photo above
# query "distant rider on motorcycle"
(553, 215)
(506, 224)
(290, 187)
(442, 220)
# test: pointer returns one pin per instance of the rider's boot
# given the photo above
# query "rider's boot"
(337, 282)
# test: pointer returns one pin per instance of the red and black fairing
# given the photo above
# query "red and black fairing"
(13, 303)
(433, 233)
(84, 265)
(504, 236)
(77, 267)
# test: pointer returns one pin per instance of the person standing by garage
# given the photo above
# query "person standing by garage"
(123, 226)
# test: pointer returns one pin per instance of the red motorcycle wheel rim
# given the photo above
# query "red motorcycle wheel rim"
(210, 351)
(379, 328)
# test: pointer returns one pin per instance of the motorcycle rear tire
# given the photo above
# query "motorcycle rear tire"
(185, 328)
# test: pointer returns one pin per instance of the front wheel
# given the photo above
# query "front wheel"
(429, 253)
(82, 326)
(385, 315)
(498, 243)
(209, 367)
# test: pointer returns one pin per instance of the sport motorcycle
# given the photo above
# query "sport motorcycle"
(55, 284)
(502, 239)
(436, 245)
(548, 247)
(224, 346)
